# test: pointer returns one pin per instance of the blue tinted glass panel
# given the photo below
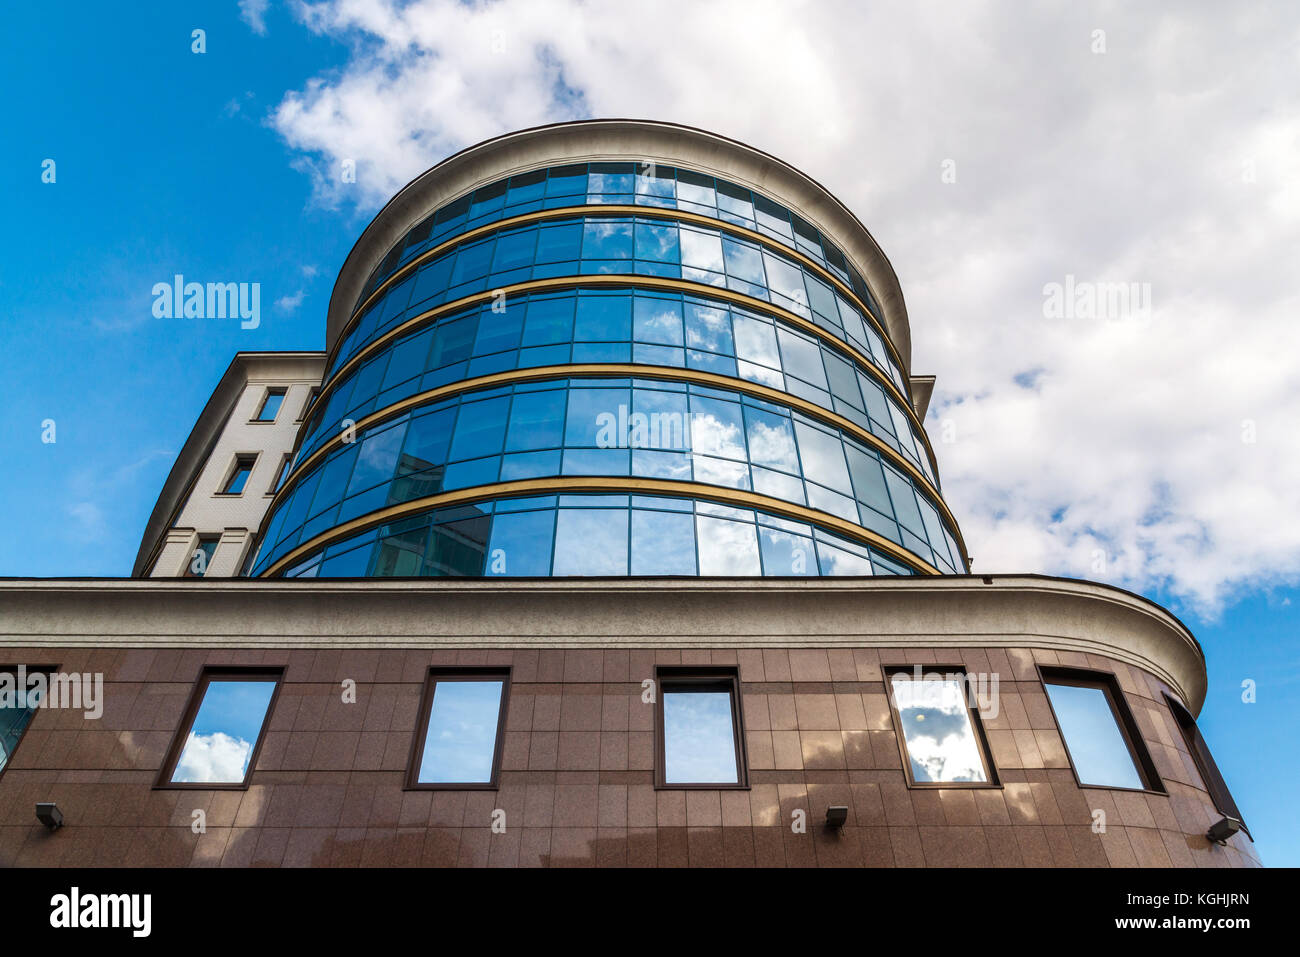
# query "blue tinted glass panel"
(270, 406)
(536, 421)
(521, 544)
(699, 740)
(480, 428)
(663, 543)
(726, 547)
(567, 180)
(220, 742)
(514, 250)
(744, 261)
(657, 242)
(937, 728)
(606, 239)
(603, 318)
(591, 541)
(562, 243)
(657, 321)
(548, 321)
(460, 743)
(239, 477)
(15, 714)
(376, 459)
(593, 417)
(787, 554)
(1101, 756)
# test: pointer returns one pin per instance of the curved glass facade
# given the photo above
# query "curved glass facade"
(609, 427)
(594, 535)
(663, 397)
(624, 184)
(590, 326)
(618, 245)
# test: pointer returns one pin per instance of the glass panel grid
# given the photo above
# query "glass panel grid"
(626, 183)
(704, 435)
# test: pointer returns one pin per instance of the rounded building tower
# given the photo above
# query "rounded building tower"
(613, 348)
(659, 382)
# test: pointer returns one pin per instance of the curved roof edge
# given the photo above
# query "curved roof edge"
(1063, 616)
(620, 139)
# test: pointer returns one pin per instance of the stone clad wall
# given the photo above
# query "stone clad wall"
(577, 779)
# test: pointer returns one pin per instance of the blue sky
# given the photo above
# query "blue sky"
(218, 166)
(156, 174)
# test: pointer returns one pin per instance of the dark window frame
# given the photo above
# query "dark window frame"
(240, 457)
(1106, 682)
(46, 670)
(259, 417)
(1215, 786)
(280, 474)
(312, 396)
(201, 683)
(432, 678)
(992, 778)
(187, 571)
(713, 677)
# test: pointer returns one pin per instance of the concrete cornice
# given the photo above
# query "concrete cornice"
(922, 391)
(950, 611)
(245, 366)
(628, 140)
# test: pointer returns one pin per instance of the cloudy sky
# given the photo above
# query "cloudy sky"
(992, 151)
(997, 152)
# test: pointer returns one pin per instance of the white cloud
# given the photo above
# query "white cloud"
(1167, 160)
(290, 303)
(212, 758)
(253, 12)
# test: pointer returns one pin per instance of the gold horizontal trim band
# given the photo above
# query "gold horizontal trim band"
(631, 486)
(628, 370)
(613, 209)
(656, 283)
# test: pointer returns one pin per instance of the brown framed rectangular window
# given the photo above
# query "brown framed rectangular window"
(461, 732)
(940, 735)
(221, 732)
(1102, 741)
(699, 731)
(237, 477)
(18, 703)
(1200, 752)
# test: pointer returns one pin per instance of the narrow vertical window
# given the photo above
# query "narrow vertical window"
(461, 730)
(201, 557)
(1101, 738)
(239, 473)
(221, 733)
(1200, 752)
(18, 703)
(700, 737)
(280, 473)
(270, 406)
(939, 731)
(312, 396)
